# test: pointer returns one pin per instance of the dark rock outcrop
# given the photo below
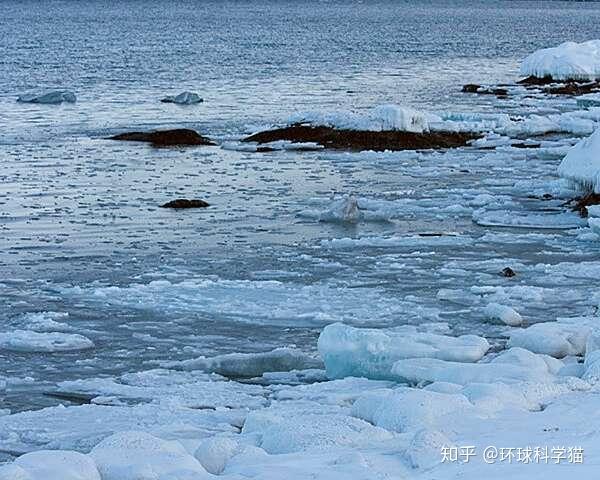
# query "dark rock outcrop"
(338, 139)
(474, 88)
(580, 204)
(537, 81)
(165, 138)
(508, 272)
(573, 88)
(185, 203)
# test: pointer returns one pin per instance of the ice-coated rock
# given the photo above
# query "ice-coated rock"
(365, 352)
(51, 465)
(567, 61)
(138, 455)
(184, 98)
(56, 97)
(503, 313)
(582, 164)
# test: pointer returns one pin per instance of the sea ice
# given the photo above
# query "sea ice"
(58, 96)
(349, 351)
(557, 339)
(567, 61)
(135, 455)
(184, 98)
(51, 465)
(30, 341)
(582, 164)
(504, 313)
(236, 365)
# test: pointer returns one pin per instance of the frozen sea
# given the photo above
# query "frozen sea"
(87, 254)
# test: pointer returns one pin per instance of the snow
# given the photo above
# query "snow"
(184, 98)
(582, 164)
(55, 97)
(591, 365)
(504, 313)
(381, 118)
(51, 465)
(349, 351)
(31, 341)
(567, 61)
(214, 453)
(135, 455)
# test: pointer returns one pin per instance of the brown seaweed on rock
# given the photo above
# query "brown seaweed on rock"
(340, 139)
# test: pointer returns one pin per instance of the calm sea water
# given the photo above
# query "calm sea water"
(80, 231)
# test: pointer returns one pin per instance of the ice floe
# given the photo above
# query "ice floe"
(58, 96)
(567, 61)
(32, 341)
(503, 313)
(349, 351)
(51, 465)
(184, 98)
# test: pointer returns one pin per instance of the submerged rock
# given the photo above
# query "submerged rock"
(163, 138)
(341, 139)
(184, 98)
(50, 98)
(185, 203)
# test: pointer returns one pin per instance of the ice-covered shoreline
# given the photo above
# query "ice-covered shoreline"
(387, 402)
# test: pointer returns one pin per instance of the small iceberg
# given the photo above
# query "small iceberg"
(344, 210)
(568, 61)
(50, 98)
(184, 98)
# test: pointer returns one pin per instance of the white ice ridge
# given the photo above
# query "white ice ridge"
(184, 98)
(381, 118)
(371, 353)
(58, 96)
(582, 164)
(568, 61)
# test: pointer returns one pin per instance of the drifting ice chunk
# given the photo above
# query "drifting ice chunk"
(51, 465)
(582, 164)
(184, 98)
(137, 455)
(556, 339)
(29, 341)
(251, 364)
(381, 118)
(505, 314)
(56, 97)
(515, 365)
(365, 352)
(568, 61)
(342, 210)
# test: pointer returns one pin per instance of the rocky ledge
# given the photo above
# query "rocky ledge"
(165, 138)
(340, 139)
(185, 203)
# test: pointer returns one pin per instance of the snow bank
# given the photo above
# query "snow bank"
(30, 341)
(251, 364)
(381, 118)
(51, 465)
(184, 98)
(58, 96)
(349, 351)
(136, 455)
(582, 164)
(568, 61)
(506, 314)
